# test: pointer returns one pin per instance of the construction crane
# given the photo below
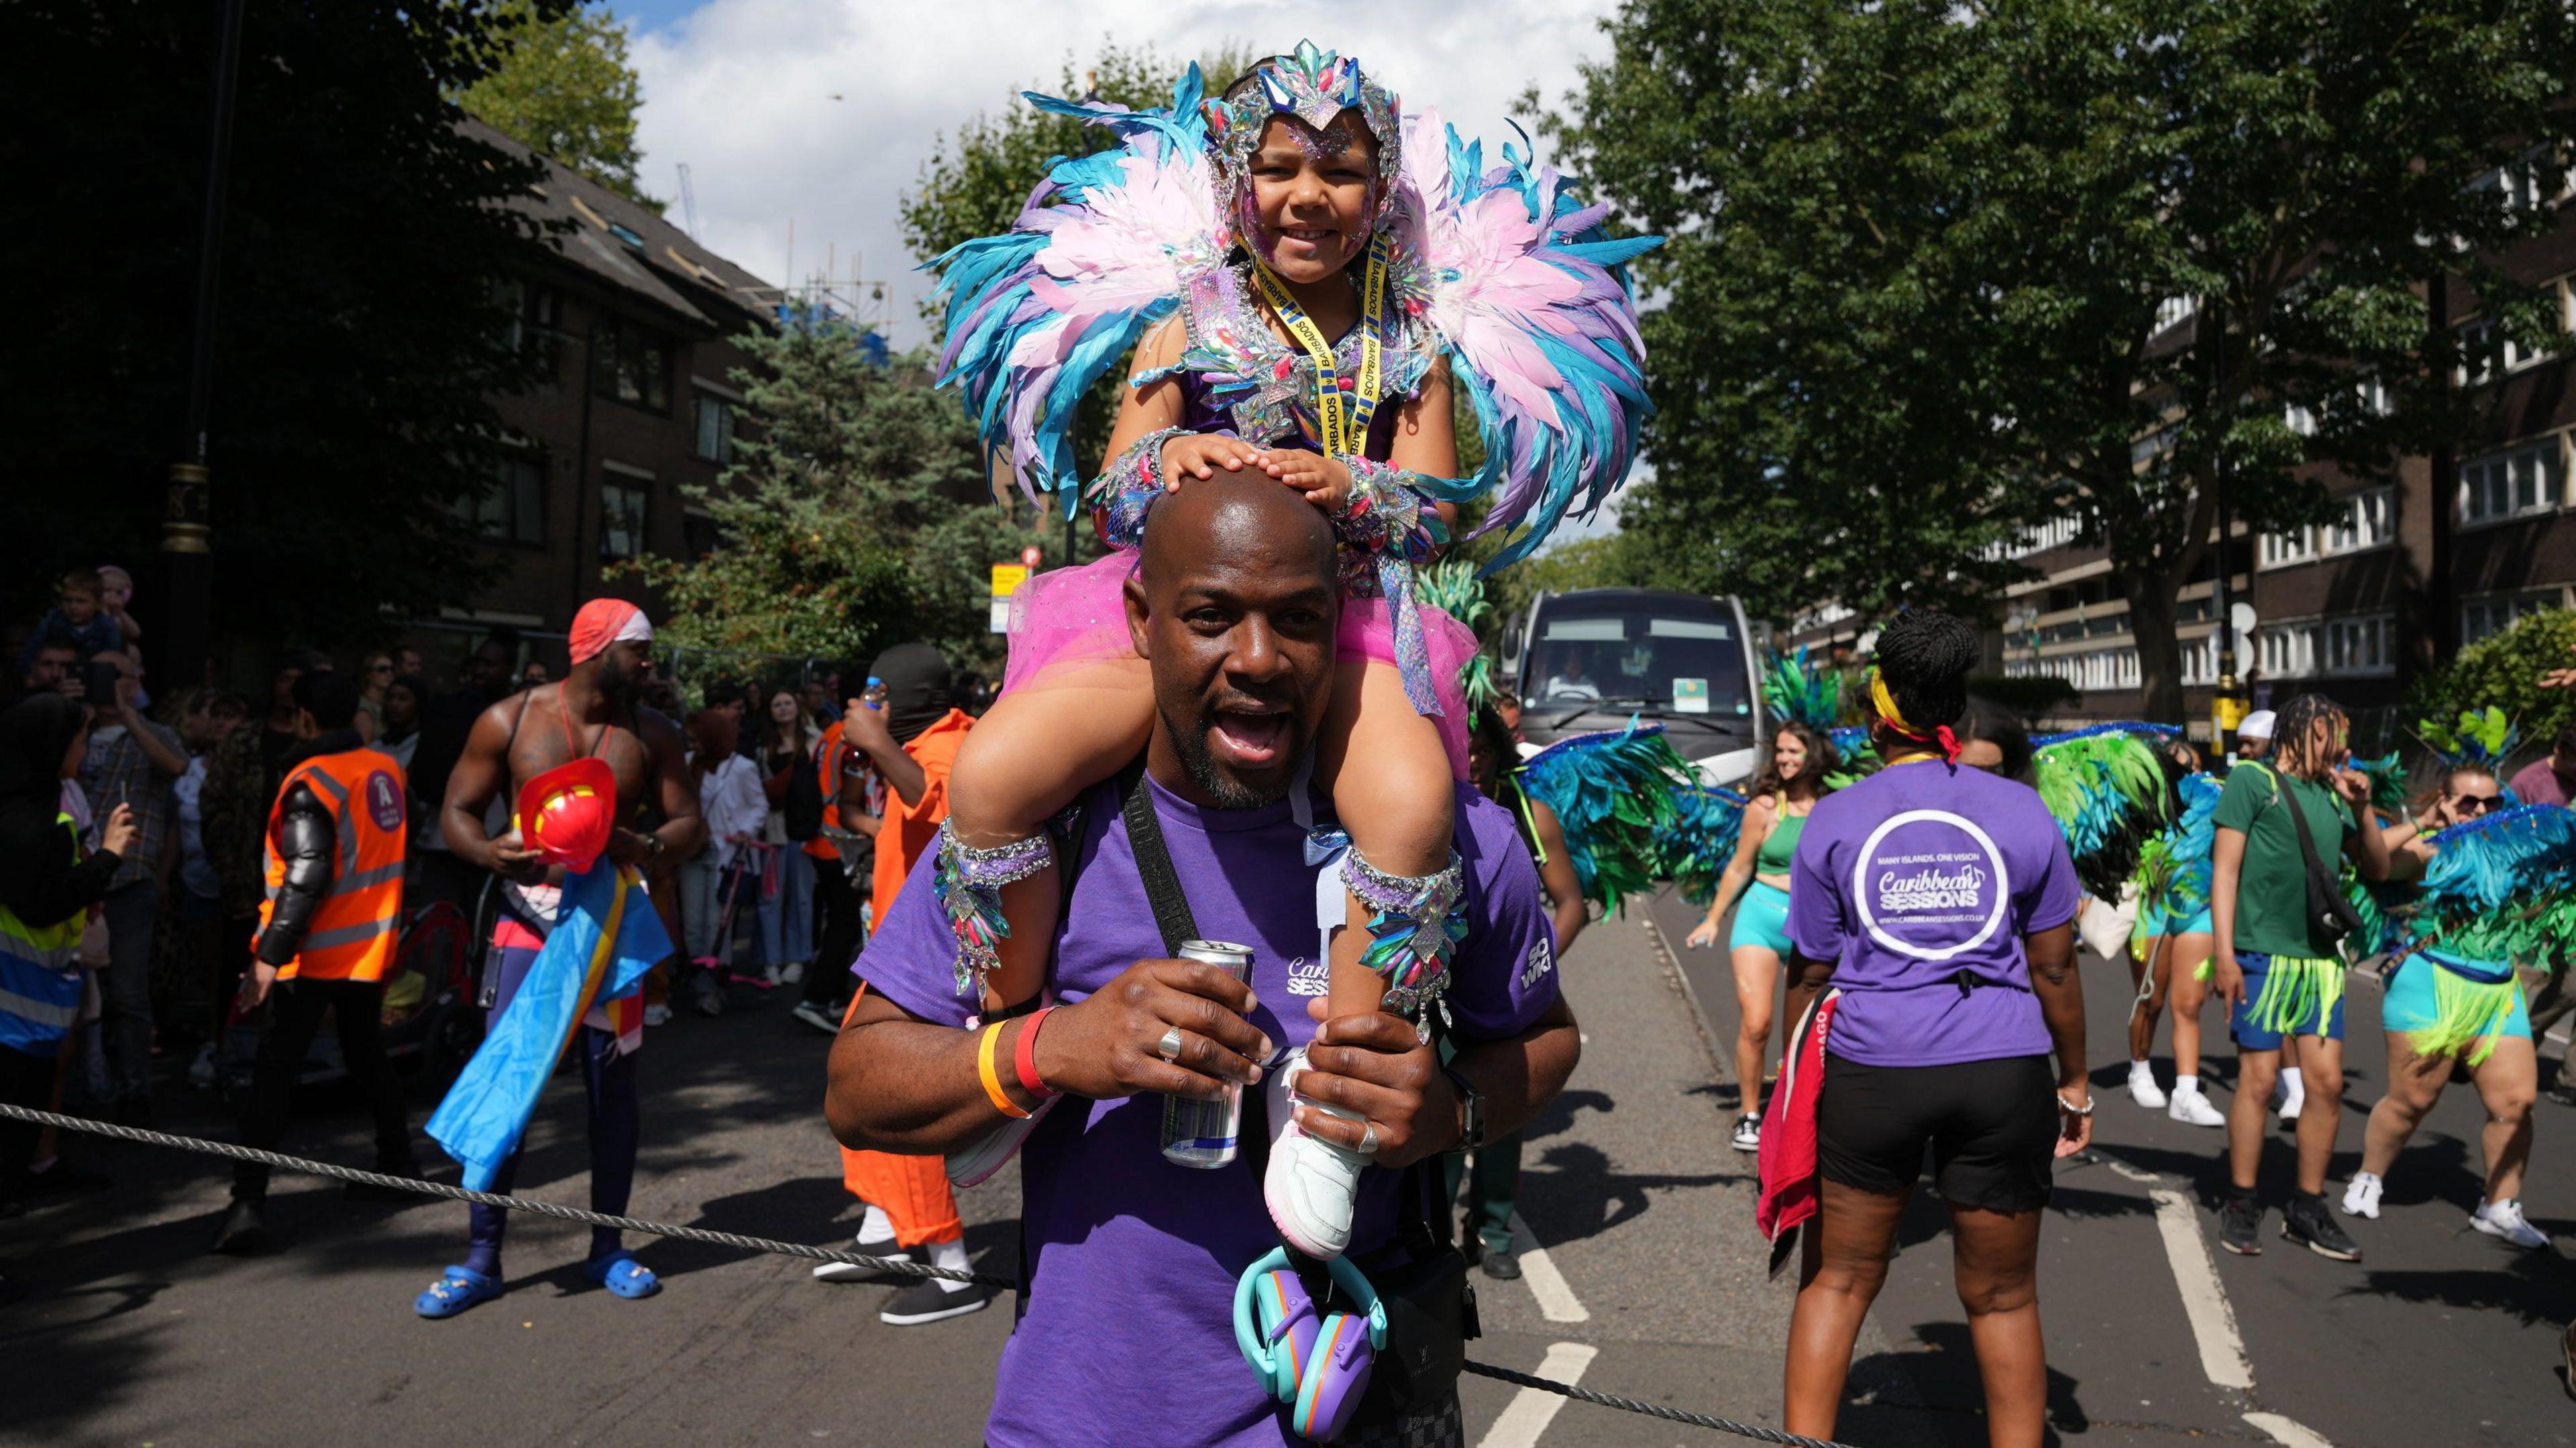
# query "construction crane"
(688, 201)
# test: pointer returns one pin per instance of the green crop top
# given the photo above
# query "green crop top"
(1780, 846)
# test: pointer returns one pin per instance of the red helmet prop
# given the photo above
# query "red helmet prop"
(566, 813)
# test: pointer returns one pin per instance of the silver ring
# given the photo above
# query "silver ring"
(1169, 1048)
(1368, 1138)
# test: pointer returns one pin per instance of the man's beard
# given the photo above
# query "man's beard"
(615, 687)
(1226, 790)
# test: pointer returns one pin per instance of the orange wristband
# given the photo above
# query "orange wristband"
(992, 1079)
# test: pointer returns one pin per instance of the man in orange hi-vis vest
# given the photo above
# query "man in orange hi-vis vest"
(327, 933)
(910, 741)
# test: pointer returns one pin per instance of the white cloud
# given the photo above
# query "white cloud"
(742, 90)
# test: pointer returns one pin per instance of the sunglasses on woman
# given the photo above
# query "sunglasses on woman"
(2474, 803)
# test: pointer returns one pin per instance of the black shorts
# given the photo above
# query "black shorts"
(1992, 1127)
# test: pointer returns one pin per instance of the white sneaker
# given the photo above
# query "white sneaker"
(2361, 1199)
(2142, 1086)
(2192, 1108)
(2504, 1219)
(2290, 1108)
(792, 973)
(1312, 1186)
(885, 1247)
(1748, 1133)
(657, 1015)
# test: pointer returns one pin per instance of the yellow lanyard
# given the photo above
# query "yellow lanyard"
(1341, 419)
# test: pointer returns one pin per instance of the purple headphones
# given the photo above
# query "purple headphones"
(1316, 1362)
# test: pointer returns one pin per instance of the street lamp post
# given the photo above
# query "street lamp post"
(186, 526)
(2227, 709)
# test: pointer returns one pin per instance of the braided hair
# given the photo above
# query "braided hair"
(2292, 731)
(1924, 657)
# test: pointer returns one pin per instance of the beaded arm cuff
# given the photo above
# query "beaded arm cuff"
(968, 882)
(1415, 924)
(1390, 518)
(1129, 486)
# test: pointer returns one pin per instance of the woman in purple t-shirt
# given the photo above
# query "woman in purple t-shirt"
(1942, 899)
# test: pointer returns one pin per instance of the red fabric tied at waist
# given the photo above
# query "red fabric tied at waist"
(1787, 1162)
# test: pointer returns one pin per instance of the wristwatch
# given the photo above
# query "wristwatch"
(1471, 1111)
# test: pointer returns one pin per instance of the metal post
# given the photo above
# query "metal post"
(2227, 709)
(186, 527)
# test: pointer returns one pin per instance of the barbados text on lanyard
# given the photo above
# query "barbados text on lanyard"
(1342, 412)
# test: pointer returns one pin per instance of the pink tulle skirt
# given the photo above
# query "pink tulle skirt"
(1068, 616)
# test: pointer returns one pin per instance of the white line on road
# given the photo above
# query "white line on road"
(2286, 1432)
(1556, 1301)
(2204, 1300)
(1530, 1410)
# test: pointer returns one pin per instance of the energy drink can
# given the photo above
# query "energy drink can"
(1202, 1133)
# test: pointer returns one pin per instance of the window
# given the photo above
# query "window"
(511, 508)
(2482, 618)
(536, 322)
(622, 513)
(2361, 645)
(2507, 484)
(700, 534)
(2300, 420)
(632, 363)
(2368, 520)
(715, 428)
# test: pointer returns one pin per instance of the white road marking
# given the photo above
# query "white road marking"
(2204, 1300)
(1556, 1301)
(2288, 1433)
(1530, 1410)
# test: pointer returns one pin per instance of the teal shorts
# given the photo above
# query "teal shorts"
(1762, 918)
(2155, 922)
(2409, 1006)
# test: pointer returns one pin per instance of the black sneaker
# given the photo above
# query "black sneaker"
(817, 1017)
(2307, 1222)
(2240, 1226)
(1748, 1133)
(1500, 1264)
(242, 1234)
(930, 1300)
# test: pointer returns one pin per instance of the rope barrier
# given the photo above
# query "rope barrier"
(278, 1160)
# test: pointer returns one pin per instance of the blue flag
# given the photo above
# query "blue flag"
(606, 936)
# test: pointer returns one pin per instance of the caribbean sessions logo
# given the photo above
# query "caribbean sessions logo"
(1945, 873)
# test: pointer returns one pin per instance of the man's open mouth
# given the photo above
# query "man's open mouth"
(1249, 739)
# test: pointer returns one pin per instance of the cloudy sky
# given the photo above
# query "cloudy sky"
(820, 112)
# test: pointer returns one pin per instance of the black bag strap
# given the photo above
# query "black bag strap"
(2326, 906)
(1154, 860)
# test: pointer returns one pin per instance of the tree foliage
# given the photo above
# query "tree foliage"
(853, 515)
(2505, 672)
(1918, 289)
(359, 337)
(564, 87)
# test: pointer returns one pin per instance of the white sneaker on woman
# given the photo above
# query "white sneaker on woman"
(2142, 1086)
(2361, 1199)
(2191, 1108)
(2504, 1219)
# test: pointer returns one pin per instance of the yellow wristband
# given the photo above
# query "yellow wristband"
(992, 1078)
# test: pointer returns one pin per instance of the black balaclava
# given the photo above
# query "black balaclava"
(916, 680)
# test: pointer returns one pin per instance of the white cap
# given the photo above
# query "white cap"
(2257, 725)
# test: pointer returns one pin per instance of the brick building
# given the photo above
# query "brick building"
(632, 325)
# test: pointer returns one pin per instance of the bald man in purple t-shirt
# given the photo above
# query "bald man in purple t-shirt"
(1125, 1332)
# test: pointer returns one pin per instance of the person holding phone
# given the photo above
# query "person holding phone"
(131, 761)
(2273, 901)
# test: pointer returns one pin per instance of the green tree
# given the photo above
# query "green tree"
(2505, 672)
(359, 337)
(1929, 264)
(564, 86)
(855, 514)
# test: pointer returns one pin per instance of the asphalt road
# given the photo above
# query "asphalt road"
(1647, 1280)
(2439, 1335)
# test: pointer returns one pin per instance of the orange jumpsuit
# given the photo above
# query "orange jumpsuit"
(912, 1190)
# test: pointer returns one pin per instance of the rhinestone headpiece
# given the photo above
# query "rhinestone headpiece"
(1312, 85)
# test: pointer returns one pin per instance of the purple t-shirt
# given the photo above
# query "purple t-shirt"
(2537, 783)
(1911, 877)
(1126, 1334)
